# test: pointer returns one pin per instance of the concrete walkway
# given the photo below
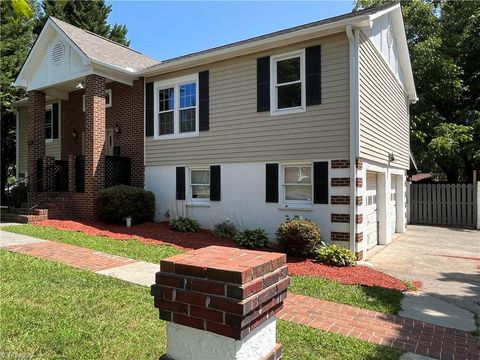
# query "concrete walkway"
(398, 332)
(447, 262)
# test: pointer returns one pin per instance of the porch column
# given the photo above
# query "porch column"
(94, 140)
(35, 132)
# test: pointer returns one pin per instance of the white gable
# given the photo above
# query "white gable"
(383, 36)
(53, 59)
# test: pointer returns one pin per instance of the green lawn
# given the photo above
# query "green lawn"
(372, 298)
(51, 311)
(129, 248)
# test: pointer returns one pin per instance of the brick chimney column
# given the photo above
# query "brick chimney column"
(221, 302)
(35, 131)
(94, 141)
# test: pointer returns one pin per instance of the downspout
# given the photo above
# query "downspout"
(352, 35)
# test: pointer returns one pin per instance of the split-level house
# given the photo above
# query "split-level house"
(310, 121)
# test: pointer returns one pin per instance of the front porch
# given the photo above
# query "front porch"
(97, 145)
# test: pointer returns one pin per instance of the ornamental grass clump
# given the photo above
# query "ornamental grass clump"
(299, 237)
(225, 229)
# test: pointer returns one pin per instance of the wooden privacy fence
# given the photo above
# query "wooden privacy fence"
(443, 204)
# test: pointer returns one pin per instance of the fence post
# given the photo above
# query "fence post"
(408, 184)
(476, 199)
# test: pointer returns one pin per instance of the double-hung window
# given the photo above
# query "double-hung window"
(176, 104)
(297, 184)
(49, 124)
(288, 83)
(200, 185)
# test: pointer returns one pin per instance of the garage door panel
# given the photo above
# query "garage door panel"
(371, 210)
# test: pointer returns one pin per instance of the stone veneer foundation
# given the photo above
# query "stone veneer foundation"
(220, 303)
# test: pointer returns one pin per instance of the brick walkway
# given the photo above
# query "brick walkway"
(388, 330)
(71, 255)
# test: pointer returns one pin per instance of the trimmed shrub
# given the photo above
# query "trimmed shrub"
(336, 255)
(225, 229)
(116, 203)
(299, 237)
(253, 239)
(184, 224)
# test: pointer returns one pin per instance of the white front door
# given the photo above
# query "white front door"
(109, 142)
(371, 228)
(393, 204)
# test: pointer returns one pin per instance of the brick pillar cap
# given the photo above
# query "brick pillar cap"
(226, 264)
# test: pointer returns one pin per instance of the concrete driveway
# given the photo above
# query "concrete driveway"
(445, 260)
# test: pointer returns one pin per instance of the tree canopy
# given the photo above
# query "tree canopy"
(87, 15)
(444, 49)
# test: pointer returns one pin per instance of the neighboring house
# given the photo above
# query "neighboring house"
(310, 121)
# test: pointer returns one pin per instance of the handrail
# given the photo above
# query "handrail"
(29, 187)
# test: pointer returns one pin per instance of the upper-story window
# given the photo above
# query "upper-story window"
(176, 108)
(288, 83)
(108, 99)
(49, 124)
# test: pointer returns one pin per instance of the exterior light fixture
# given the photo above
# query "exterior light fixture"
(79, 86)
(117, 129)
(391, 157)
(75, 133)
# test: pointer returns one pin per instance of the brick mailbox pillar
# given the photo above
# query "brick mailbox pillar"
(220, 303)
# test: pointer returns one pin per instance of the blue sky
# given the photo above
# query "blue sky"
(165, 29)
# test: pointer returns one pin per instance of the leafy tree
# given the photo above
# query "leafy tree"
(87, 15)
(17, 37)
(444, 49)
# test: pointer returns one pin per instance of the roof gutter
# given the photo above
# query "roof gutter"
(253, 46)
(353, 37)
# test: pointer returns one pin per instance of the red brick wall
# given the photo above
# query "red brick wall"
(126, 112)
(35, 130)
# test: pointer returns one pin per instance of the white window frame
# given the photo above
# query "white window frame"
(49, 108)
(191, 199)
(274, 110)
(175, 83)
(282, 190)
(107, 105)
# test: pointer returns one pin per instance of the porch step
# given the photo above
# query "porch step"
(22, 218)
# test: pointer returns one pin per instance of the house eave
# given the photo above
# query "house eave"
(255, 46)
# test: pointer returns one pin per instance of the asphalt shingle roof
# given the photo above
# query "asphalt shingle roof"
(101, 49)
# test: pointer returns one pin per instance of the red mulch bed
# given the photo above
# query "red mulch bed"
(154, 233)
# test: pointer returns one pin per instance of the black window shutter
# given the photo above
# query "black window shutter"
(215, 183)
(271, 183)
(313, 70)
(320, 182)
(263, 84)
(204, 103)
(55, 120)
(180, 194)
(149, 116)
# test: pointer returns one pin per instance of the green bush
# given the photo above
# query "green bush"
(225, 229)
(184, 224)
(116, 203)
(299, 237)
(336, 255)
(253, 239)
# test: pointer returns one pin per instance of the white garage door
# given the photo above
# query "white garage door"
(371, 210)
(393, 204)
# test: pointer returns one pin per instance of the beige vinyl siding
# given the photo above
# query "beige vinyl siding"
(53, 148)
(22, 140)
(238, 133)
(384, 115)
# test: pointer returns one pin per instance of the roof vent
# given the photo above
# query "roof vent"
(58, 52)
